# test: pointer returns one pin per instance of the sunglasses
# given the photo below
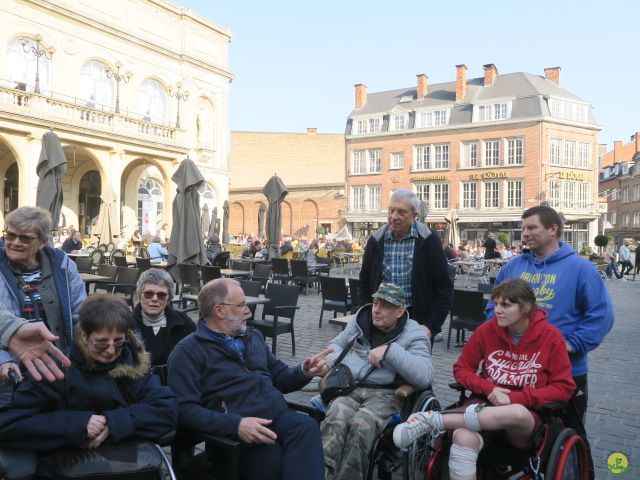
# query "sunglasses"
(148, 295)
(102, 345)
(11, 237)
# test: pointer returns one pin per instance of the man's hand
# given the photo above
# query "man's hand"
(377, 354)
(102, 436)
(499, 396)
(569, 348)
(95, 426)
(316, 365)
(33, 345)
(254, 430)
(5, 368)
(426, 330)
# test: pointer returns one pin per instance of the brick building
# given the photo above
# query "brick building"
(310, 164)
(488, 147)
(620, 185)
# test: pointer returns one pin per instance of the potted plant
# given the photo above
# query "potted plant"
(601, 241)
(504, 238)
(585, 251)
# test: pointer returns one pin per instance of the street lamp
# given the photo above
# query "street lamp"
(179, 97)
(125, 77)
(38, 52)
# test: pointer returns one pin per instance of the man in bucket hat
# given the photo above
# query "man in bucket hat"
(385, 349)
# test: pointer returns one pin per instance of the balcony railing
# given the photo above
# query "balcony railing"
(81, 114)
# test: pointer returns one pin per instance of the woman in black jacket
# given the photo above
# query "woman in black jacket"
(158, 325)
(107, 395)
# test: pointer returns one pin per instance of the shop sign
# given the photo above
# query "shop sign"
(489, 174)
(603, 204)
(429, 177)
(571, 176)
(395, 178)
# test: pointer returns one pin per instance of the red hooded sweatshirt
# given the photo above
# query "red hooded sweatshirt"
(537, 370)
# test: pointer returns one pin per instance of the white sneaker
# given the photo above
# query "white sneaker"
(417, 425)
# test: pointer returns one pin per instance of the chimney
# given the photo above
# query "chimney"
(422, 85)
(490, 74)
(617, 151)
(312, 131)
(552, 74)
(637, 139)
(361, 95)
(461, 82)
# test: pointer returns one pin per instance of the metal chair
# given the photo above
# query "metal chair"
(125, 283)
(97, 257)
(479, 272)
(84, 264)
(119, 258)
(334, 296)
(280, 267)
(283, 305)
(189, 278)
(105, 270)
(143, 264)
(242, 266)
(209, 273)
(326, 265)
(261, 273)
(300, 274)
(467, 313)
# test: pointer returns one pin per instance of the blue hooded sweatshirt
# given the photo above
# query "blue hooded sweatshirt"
(571, 291)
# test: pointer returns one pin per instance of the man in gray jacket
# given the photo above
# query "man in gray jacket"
(389, 350)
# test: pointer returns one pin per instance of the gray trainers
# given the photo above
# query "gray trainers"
(417, 425)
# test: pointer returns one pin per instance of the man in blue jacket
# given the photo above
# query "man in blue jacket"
(229, 383)
(570, 289)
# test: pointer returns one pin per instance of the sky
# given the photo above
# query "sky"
(295, 61)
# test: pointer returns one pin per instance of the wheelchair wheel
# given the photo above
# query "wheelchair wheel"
(417, 457)
(568, 457)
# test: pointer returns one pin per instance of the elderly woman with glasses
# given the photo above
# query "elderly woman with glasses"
(157, 323)
(37, 282)
(108, 394)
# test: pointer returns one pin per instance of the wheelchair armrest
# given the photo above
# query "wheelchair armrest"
(457, 387)
(282, 307)
(310, 410)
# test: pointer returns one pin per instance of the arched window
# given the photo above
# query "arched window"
(153, 101)
(208, 196)
(95, 87)
(21, 67)
(150, 205)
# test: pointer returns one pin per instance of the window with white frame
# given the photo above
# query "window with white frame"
(366, 125)
(432, 118)
(373, 125)
(569, 153)
(568, 194)
(400, 122)
(358, 199)
(615, 193)
(583, 155)
(636, 219)
(624, 220)
(554, 193)
(469, 194)
(152, 101)
(357, 162)
(636, 193)
(556, 151)
(441, 156)
(492, 153)
(568, 110)
(469, 154)
(422, 192)
(375, 161)
(514, 194)
(435, 195)
(374, 198)
(584, 195)
(422, 157)
(515, 151)
(491, 194)
(20, 66)
(625, 195)
(361, 127)
(493, 111)
(95, 87)
(613, 218)
(397, 160)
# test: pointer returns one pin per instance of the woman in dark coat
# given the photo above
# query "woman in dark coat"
(158, 325)
(107, 395)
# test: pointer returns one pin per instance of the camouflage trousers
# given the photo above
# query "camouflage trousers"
(350, 427)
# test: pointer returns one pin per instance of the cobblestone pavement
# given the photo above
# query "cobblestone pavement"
(613, 417)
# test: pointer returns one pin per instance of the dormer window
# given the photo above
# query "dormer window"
(399, 121)
(568, 110)
(492, 111)
(363, 126)
(432, 118)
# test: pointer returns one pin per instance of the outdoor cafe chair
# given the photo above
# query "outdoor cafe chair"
(334, 296)
(119, 258)
(261, 273)
(467, 313)
(300, 274)
(242, 266)
(143, 252)
(111, 247)
(221, 259)
(479, 272)
(125, 283)
(105, 270)
(353, 294)
(209, 273)
(325, 269)
(84, 264)
(143, 264)
(281, 307)
(280, 269)
(97, 257)
(189, 279)
(250, 289)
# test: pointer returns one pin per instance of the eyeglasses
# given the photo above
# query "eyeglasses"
(102, 345)
(148, 295)
(239, 305)
(11, 237)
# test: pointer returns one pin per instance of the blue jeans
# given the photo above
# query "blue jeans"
(613, 270)
(297, 454)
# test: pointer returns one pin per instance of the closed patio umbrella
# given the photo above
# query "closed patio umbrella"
(108, 225)
(275, 191)
(261, 211)
(205, 220)
(186, 244)
(225, 222)
(52, 166)
(451, 233)
(214, 220)
(423, 212)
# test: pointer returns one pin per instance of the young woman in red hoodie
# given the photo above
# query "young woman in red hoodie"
(523, 364)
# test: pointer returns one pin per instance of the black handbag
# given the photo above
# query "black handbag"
(339, 380)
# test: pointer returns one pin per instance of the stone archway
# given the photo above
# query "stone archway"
(308, 221)
(236, 219)
(286, 215)
(11, 170)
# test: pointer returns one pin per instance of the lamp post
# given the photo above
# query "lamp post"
(125, 77)
(179, 97)
(38, 52)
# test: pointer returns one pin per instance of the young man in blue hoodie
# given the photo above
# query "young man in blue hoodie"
(570, 289)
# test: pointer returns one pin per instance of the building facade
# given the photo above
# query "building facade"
(131, 87)
(310, 164)
(486, 147)
(620, 187)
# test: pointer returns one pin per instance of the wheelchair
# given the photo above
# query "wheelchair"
(560, 453)
(385, 458)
